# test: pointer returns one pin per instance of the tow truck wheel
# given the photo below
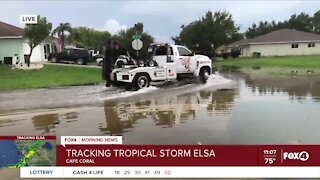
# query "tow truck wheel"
(141, 81)
(204, 75)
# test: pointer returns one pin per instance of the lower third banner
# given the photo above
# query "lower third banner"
(188, 155)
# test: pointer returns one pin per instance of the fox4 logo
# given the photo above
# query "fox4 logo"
(302, 156)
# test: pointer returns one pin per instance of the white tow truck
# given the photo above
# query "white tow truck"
(164, 63)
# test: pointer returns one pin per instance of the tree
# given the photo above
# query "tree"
(60, 32)
(36, 33)
(316, 22)
(302, 22)
(264, 27)
(88, 37)
(124, 37)
(209, 32)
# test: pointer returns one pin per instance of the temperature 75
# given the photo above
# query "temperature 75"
(269, 160)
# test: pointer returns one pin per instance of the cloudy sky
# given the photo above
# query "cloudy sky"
(162, 19)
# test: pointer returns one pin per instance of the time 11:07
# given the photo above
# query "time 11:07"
(271, 152)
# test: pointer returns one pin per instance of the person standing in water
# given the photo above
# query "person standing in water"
(112, 51)
(107, 63)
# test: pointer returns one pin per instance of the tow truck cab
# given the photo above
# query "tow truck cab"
(164, 63)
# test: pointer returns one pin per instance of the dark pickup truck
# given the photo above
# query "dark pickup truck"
(77, 55)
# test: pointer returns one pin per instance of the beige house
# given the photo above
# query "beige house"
(283, 42)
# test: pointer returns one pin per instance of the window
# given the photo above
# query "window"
(162, 51)
(311, 45)
(295, 45)
(46, 50)
(184, 52)
(66, 51)
(77, 51)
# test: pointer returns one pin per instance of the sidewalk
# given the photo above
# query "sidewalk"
(91, 65)
(25, 66)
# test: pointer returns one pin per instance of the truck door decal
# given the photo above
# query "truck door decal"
(159, 73)
(185, 61)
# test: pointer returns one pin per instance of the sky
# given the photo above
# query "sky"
(161, 19)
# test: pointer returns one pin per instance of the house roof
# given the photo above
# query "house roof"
(51, 38)
(7, 30)
(241, 42)
(280, 36)
(222, 47)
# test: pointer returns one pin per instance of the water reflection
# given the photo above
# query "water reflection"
(259, 111)
(9, 122)
(71, 116)
(166, 111)
(222, 101)
(298, 88)
(115, 124)
(45, 122)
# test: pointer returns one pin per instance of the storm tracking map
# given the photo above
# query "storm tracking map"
(15, 153)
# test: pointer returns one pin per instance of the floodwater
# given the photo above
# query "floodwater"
(237, 108)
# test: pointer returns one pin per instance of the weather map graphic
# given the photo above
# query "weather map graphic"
(15, 153)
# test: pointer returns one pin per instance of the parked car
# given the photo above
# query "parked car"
(77, 55)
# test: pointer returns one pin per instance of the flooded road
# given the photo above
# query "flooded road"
(237, 109)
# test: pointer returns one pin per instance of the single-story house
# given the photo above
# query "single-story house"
(13, 46)
(222, 50)
(283, 42)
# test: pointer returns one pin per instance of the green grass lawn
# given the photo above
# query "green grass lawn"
(48, 76)
(285, 61)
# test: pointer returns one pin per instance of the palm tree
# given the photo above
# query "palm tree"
(60, 30)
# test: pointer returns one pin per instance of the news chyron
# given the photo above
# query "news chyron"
(108, 157)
